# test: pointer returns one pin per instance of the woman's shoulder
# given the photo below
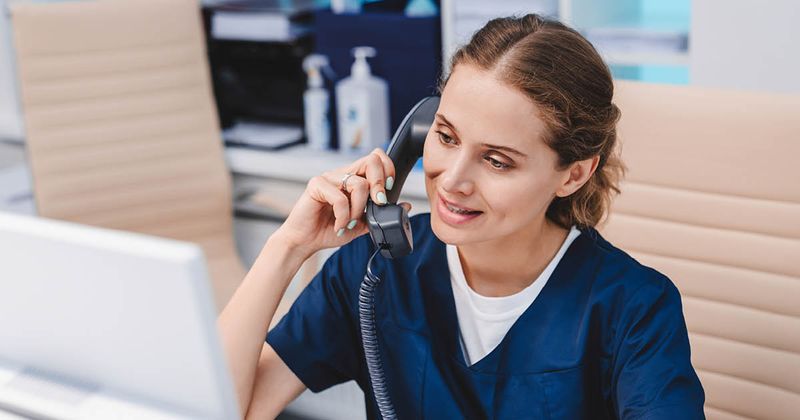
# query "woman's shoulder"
(617, 269)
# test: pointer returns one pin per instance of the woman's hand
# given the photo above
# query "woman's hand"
(327, 216)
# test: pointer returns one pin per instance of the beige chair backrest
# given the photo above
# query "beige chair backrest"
(712, 199)
(120, 122)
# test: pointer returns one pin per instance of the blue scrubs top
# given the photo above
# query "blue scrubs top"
(606, 338)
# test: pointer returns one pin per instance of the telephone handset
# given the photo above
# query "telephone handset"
(391, 232)
(388, 225)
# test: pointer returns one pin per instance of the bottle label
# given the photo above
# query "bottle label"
(355, 130)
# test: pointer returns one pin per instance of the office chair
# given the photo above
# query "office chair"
(712, 200)
(121, 125)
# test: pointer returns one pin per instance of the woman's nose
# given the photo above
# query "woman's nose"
(456, 179)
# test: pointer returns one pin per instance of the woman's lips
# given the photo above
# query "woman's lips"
(453, 204)
(453, 218)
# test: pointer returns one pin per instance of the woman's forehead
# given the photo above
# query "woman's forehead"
(482, 108)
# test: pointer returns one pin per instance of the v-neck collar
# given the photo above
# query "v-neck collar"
(443, 319)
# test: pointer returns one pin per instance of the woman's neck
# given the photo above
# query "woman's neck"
(504, 266)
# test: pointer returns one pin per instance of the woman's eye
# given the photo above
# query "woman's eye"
(497, 164)
(444, 138)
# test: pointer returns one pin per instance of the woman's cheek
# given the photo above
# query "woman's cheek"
(433, 159)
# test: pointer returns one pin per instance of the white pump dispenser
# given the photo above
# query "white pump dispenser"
(362, 104)
(360, 67)
(315, 104)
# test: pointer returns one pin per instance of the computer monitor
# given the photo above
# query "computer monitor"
(95, 322)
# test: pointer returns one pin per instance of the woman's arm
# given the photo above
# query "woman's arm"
(652, 374)
(275, 387)
(244, 322)
(329, 213)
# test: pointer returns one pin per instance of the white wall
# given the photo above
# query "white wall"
(10, 119)
(746, 44)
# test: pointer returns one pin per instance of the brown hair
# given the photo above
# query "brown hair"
(562, 73)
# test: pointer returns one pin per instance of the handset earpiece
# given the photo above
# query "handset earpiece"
(388, 225)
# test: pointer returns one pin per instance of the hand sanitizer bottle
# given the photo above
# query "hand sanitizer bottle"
(362, 105)
(315, 104)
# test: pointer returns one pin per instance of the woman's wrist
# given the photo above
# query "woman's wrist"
(283, 245)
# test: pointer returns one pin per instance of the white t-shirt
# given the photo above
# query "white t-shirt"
(484, 321)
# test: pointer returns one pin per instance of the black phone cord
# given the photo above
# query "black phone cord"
(369, 339)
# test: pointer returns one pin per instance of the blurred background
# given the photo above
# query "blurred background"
(270, 73)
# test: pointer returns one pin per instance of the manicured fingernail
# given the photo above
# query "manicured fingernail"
(352, 224)
(389, 183)
(381, 198)
(340, 232)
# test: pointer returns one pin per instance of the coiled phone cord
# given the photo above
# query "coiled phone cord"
(369, 338)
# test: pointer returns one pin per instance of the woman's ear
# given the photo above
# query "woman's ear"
(578, 174)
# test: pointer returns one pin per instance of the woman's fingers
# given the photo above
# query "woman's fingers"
(323, 190)
(359, 190)
(371, 176)
(373, 168)
(388, 167)
(349, 204)
(378, 169)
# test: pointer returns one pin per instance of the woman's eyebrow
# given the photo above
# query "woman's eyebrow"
(504, 148)
(447, 123)
(487, 145)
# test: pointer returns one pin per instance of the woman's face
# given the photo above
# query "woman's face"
(488, 172)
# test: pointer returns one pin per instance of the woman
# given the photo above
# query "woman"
(511, 305)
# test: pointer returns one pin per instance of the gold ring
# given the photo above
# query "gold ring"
(344, 181)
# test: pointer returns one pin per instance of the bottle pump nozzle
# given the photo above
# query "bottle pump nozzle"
(313, 65)
(360, 67)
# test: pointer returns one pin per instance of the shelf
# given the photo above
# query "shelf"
(635, 45)
(646, 59)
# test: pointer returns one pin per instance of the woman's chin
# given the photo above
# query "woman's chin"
(449, 234)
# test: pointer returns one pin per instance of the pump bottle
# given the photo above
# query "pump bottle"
(362, 105)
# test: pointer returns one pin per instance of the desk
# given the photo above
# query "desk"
(300, 164)
(285, 170)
